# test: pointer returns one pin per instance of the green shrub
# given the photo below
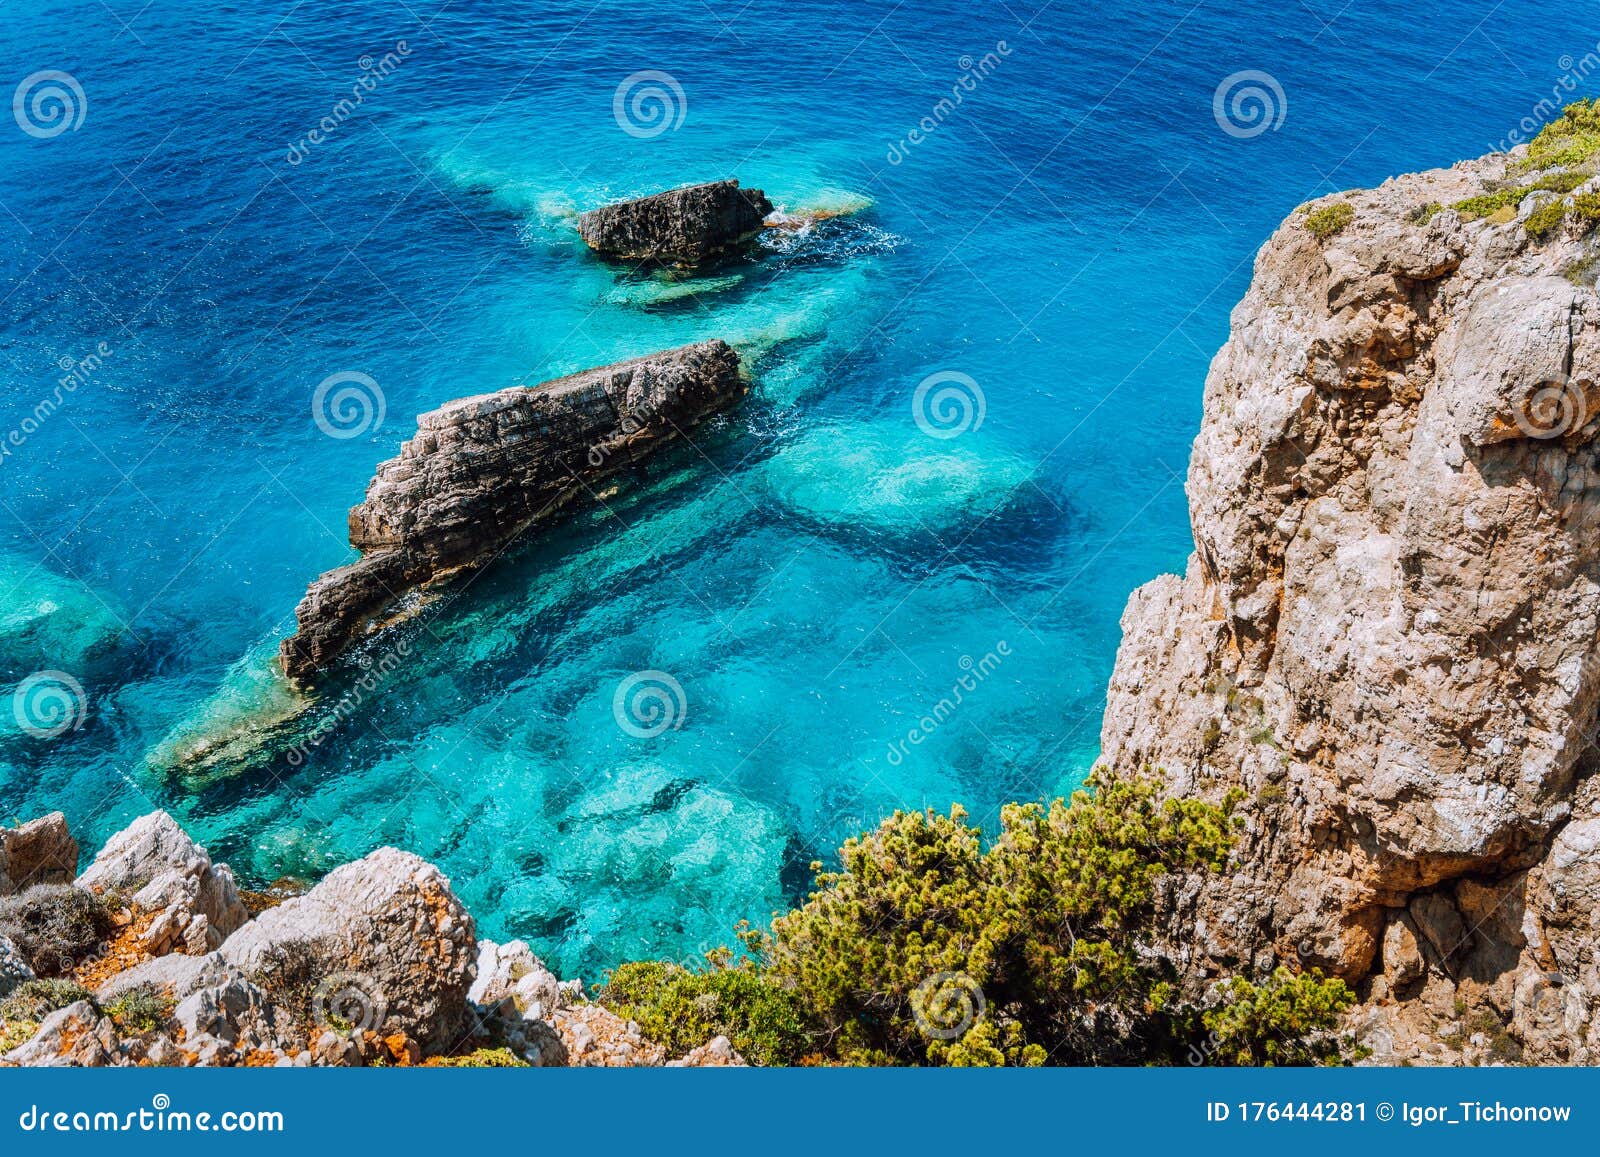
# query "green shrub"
(1288, 1020)
(925, 948)
(55, 926)
(486, 1058)
(33, 1000)
(682, 1009)
(1571, 139)
(140, 1010)
(1330, 219)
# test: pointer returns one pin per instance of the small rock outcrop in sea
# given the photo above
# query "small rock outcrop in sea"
(1386, 635)
(685, 227)
(377, 964)
(482, 470)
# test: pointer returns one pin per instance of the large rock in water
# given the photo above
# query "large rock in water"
(1387, 634)
(383, 943)
(482, 470)
(686, 226)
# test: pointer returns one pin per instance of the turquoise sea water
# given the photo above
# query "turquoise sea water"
(814, 575)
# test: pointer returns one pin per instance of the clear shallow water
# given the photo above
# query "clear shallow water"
(816, 574)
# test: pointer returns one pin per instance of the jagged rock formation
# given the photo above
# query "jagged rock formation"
(378, 963)
(40, 852)
(385, 935)
(1387, 634)
(170, 878)
(482, 470)
(685, 227)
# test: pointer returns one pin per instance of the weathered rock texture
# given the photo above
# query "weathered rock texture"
(384, 943)
(40, 852)
(162, 873)
(686, 226)
(482, 470)
(377, 964)
(1387, 634)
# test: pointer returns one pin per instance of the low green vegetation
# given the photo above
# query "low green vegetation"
(926, 947)
(1562, 156)
(682, 1009)
(33, 1000)
(1330, 219)
(140, 1010)
(1279, 1022)
(489, 1058)
(1571, 139)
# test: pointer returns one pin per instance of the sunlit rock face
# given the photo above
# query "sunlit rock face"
(482, 470)
(1386, 635)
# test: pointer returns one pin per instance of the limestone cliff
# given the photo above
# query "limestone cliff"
(1387, 633)
(482, 470)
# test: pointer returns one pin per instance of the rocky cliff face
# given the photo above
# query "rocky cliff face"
(685, 227)
(482, 470)
(1387, 633)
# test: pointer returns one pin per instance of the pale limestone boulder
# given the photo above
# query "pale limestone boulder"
(73, 1037)
(384, 944)
(153, 864)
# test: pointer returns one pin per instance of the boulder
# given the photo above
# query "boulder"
(72, 1037)
(596, 1037)
(512, 972)
(684, 227)
(483, 470)
(39, 852)
(159, 870)
(381, 944)
(1397, 556)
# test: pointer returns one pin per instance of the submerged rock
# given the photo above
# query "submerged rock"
(482, 470)
(686, 226)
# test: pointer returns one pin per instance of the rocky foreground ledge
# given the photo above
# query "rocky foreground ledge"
(153, 957)
(1387, 634)
(482, 470)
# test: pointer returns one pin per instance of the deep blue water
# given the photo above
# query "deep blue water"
(816, 573)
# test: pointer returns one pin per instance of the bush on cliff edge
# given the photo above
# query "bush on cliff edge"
(927, 948)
